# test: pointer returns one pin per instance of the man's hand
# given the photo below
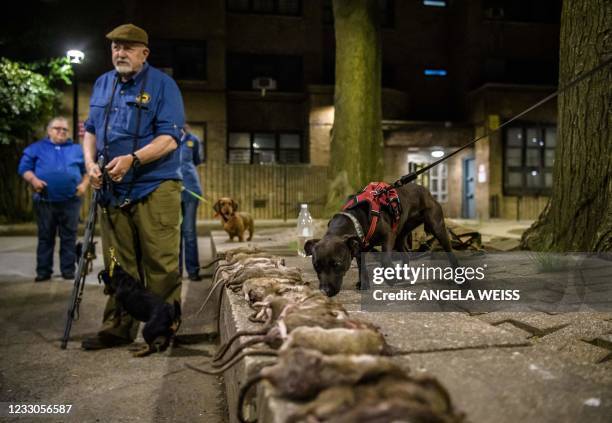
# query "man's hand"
(119, 166)
(38, 184)
(95, 175)
(81, 188)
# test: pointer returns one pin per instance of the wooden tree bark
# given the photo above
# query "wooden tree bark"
(578, 216)
(356, 141)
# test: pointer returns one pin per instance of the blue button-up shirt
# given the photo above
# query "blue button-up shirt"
(190, 158)
(61, 166)
(161, 114)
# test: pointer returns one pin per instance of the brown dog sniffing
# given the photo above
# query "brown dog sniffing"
(234, 223)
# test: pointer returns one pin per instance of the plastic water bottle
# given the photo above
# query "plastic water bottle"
(305, 229)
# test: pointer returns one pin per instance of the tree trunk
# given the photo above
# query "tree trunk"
(356, 141)
(579, 214)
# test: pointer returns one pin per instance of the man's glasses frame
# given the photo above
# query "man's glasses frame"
(59, 128)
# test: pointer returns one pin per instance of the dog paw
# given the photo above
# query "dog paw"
(160, 344)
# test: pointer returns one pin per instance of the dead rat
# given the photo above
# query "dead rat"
(314, 310)
(300, 374)
(256, 289)
(390, 398)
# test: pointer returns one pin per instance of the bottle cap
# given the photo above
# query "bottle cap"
(304, 206)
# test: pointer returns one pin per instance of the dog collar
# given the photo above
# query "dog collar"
(225, 219)
(356, 224)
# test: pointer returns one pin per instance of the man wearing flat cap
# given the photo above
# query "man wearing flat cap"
(134, 129)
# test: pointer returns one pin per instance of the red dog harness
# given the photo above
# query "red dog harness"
(376, 195)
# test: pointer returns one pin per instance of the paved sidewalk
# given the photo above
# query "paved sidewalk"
(498, 367)
(103, 386)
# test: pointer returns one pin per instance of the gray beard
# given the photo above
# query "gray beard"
(124, 71)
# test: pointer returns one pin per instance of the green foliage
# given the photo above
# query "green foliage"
(29, 95)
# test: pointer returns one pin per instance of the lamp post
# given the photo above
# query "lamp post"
(76, 58)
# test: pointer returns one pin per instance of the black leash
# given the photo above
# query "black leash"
(413, 175)
(139, 104)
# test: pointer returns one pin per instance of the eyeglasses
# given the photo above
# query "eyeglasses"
(59, 128)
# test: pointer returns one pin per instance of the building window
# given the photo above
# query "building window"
(265, 148)
(183, 60)
(286, 71)
(434, 72)
(529, 155)
(328, 12)
(436, 179)
(268, 7)
(435, 3)
(521, 71)
(388, 77)
(386, 9)
(541, 11)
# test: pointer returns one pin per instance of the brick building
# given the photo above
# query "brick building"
(257, 80)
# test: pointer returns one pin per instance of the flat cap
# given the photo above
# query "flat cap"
(129, 32)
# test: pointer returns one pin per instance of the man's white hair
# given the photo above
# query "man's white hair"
(55, 119)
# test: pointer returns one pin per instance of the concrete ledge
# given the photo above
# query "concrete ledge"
(233, 318)
(540, 371)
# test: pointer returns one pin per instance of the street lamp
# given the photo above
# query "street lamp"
(76, 58)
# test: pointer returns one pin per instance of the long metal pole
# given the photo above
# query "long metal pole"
(75, 105)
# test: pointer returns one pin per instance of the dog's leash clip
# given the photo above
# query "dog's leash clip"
(125, 205)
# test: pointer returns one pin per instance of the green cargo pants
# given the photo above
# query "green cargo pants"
(146, 242)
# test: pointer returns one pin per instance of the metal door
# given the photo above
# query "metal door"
(469, 188)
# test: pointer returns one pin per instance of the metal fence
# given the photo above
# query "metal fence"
(264, 191)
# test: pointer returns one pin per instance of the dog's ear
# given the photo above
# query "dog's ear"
(354, 245)
(217, 207)
(234, 205)
(309, 246)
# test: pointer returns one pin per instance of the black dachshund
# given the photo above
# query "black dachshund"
(161, 319)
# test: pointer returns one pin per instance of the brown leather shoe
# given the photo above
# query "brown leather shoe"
(102, 341)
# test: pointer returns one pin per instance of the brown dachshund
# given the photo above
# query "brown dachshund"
(235, 224)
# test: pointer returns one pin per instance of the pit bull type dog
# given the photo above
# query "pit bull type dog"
(162, 320)
(332, 255)
(234, 223)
